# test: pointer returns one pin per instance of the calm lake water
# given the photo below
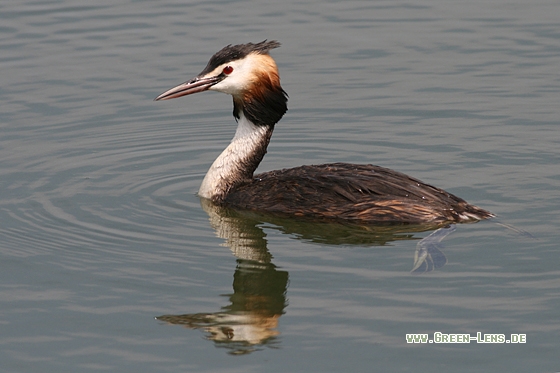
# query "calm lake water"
(109, 262)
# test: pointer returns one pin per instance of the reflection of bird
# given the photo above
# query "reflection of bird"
(251, 320)
(361, 193)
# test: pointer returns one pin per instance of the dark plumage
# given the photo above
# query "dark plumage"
(361, 193)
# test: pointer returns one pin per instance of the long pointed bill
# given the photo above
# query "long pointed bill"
(188, 88)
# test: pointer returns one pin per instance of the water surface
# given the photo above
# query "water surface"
(101, 229)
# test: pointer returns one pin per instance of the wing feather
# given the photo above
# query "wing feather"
(354, 192)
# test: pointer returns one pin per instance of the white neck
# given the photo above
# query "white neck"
(238, 161)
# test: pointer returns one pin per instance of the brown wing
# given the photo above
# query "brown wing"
(352, 192)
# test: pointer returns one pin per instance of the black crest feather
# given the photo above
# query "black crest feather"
(236, 52)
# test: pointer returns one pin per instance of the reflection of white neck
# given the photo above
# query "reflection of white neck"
(238, 161)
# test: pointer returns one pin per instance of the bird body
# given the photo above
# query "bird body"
(360, 193)
(354, 192)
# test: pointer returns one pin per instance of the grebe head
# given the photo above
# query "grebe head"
(249, 74)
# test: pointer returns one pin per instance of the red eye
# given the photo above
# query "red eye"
(228, 70)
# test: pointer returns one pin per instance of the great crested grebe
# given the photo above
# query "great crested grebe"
(359, 193)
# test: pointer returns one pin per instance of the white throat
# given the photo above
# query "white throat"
(237, 162)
